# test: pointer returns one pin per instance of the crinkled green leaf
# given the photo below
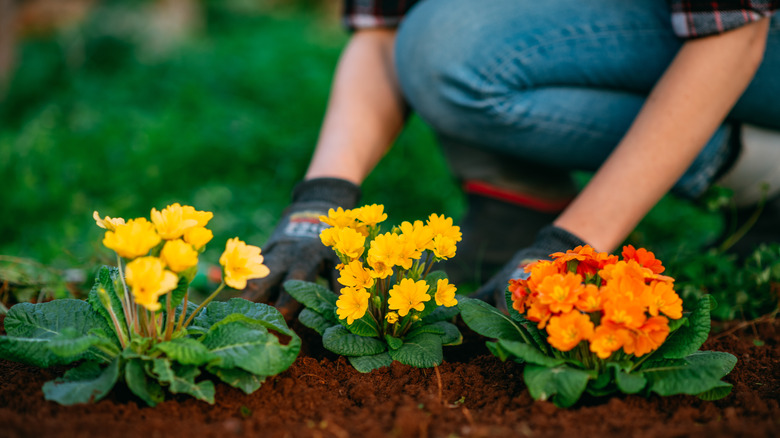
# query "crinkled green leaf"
(181, 380)
(421, 351)
(365, 364)
(263, 314)
(689, 337)
(71, 343)
(108, 279)
(365, 326)
(716, 393)
(251, 348)
(312, 295)
(315, 321)
(393, 342)
(141, 384)
(186, 351)
(561, 384)
(32, 327)
(489, 321)
(698, 373)
(86, 383)
(340, 341)
(238, 378)
(449, 333)
(528, 353)
(630, 383)
(442, 313)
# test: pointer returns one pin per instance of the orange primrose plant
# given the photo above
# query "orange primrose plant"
(391, 306)
(138, 324)
(591, 321)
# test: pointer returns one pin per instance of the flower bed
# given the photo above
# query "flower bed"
(322, 395)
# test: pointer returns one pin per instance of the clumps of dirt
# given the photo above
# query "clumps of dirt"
(321, 395)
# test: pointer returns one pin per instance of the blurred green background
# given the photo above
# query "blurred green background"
(121, 106)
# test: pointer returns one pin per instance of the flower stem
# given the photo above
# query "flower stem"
(127, 307)
(168, 318)
(183, 313)
(203, 304)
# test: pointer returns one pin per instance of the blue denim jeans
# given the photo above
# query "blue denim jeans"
(556, 83)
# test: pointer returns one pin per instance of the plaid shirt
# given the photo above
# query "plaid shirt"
(690, 18)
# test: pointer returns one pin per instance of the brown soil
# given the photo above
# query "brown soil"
(322, 396)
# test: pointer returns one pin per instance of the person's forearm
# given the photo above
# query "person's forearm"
(365, 111)
(682, 112)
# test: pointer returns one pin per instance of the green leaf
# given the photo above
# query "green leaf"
(251, 348)
(393, 342)
(421, 351)
(181, 380)
(365, 364)
(340, 341)
(689, 337)
(716, 393)
(84, 384)
(312, 295)
(238, 378)
(177, 295)
(32, 327)
(263, 314)
(449, 333)
(71, 343)
(442, 313)
(530, 327)
(489, 321)
(314, 321)
(630, 383)
(529, 353)
(141, 384)
(108, 279)
(697, 374)
(365, 326)
(186, 351)
(562, 385)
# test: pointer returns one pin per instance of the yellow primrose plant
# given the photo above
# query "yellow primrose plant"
(138, 325)
(588, 321)
(391, 305)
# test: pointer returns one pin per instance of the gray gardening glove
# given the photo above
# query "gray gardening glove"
(294, 250)
(550, 239)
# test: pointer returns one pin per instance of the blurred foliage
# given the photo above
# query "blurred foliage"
(110, 115)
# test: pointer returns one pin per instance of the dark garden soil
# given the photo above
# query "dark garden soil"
(321, 395)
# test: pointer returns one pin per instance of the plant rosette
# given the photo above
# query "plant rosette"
(391, 306)
(588, 322)
(138, 325)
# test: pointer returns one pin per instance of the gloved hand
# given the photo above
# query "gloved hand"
(294, 250)
(550, 239)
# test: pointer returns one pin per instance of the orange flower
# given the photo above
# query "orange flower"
(560, 292)
(660, 296)
(519, 291)
(607, 339)
(538, 312)
(567, 330)
(590, 300)
(625, 279)
(644, 257)
(540, 270)
(589, 262)
(626, 313)
(649, 337)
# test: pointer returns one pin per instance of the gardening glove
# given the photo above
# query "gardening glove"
(550, 239)
(294, 250)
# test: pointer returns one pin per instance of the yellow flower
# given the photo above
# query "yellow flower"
(202, 217)
(349, 242)
(352, 303)
(391, 249)
(391, 318)
(108, 223)
(371, 215)
(443, 225)
(171, 222)
(133, 239)
(149, 280)
(241, 262)
(443, 247)
(408, 295)
(178, 255)
(445, 293)
(340, 218)
(419, 234)
(198, 236)
(355, 275)
(328, 236)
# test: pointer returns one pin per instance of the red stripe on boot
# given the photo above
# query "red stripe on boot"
(544, 205)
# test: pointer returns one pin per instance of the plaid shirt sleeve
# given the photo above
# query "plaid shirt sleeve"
(699, 18)
(363, 14)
